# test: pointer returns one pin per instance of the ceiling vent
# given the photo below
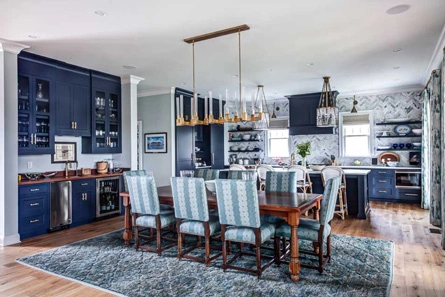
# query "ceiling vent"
(279, 123)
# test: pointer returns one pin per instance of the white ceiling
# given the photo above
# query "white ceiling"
(350, 40)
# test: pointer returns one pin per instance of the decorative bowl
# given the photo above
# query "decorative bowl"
(32, 176)
(49, 174)
(417, 143)
(383, 147)
(317, 167)
(392, 163)
(417, 131)
(246, 137)
(211, 186)
(234, 148)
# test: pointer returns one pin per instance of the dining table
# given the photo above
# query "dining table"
(288, 206)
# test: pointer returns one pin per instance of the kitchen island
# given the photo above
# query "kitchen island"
(356, 190)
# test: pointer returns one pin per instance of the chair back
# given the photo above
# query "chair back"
(190, 198)
(132, 173)
(238, 203)
(143, 194)
(237, 174)
(329, 172)
(281, 182)
(207, 174)
(236, 167)
(300, 172)
(262, 169)
(329, 200)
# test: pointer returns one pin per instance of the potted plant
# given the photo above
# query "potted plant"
(303, 149)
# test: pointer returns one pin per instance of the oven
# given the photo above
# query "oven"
(408, 179)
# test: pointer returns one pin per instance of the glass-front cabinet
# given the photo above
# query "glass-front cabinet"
(106, 129)
(35, 103)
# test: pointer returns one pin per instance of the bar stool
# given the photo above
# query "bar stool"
(303, 179)
(262, 170)
(334, 171)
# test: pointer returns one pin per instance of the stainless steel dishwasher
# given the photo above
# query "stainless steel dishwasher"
(60, 205)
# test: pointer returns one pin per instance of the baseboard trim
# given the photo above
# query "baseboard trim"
(11, 239)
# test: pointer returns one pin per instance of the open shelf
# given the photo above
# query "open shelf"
(400, 123)
(406, 150)
(399, 136)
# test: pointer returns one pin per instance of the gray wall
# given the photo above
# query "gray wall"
(156, 114)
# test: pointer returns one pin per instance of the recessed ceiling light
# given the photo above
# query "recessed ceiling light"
(398, 9)
(396, 50)
(129, 67)
(396, 67)
(100, 12)
(310, 64)
(33, 36)
(183, 83)
(235, 75)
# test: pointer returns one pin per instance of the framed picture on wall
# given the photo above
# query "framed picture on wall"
(155, 143)
(64, 152)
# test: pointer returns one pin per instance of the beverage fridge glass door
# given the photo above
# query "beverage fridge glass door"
(107, 196)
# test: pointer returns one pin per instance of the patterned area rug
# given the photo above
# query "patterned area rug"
(359, 267)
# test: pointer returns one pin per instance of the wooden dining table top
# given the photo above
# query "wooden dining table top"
(273, 201)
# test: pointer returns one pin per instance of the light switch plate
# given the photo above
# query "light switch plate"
(29, 164)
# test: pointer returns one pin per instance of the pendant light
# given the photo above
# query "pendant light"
(327, 113)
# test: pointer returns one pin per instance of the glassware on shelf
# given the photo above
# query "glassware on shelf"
(39, 94)
(395, 145)
(401, 145)
(408, 145)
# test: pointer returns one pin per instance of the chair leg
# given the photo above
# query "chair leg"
(207, 242)
(320, 258)
(345, 201)
(178, 228)
(224, 248)
(340, 199)
(328, 247)
(136, 232)
(258, 251)
(158, 234)
(277, 250)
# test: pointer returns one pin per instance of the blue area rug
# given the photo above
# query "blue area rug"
(359, 267)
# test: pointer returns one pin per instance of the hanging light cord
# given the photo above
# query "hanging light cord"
(239, 69)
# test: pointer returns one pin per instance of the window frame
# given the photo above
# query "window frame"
(269, 139)
(342, 141)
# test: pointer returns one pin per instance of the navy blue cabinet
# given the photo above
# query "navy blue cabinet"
(33, 210)
(382, 184)
(73, 106)
(36, 103)
(83, 201)
(106, 132)
(303, 114)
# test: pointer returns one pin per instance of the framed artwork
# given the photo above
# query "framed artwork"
(64, 152)
(155, 142)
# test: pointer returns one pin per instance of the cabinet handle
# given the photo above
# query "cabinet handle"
(84, 184)
(382, 191)
(34, 190)
(32, 140)
(83, 196)
(86, 196)
(382, 172)
(382, 181)
(34, 221)
(213, 159)
(75, 125)
(72, 125)
(409, 194)
(35, 138)
(34, 204)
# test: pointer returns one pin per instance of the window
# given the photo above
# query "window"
(278, 143)
(356, 134)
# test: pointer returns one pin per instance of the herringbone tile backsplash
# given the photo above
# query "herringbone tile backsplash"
(384, 107)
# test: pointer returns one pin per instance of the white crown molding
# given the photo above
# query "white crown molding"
(11, 46)
(436, 58)
(402, 89)
(154, 92)
(131, 79)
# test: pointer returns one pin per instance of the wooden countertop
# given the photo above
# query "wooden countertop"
(58, 178)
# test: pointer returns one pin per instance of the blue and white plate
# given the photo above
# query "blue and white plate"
(402, 130)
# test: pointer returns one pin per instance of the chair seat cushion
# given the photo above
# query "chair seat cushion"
(306, 231)
(272, 220)
(166, 209)
(197, 227)
(150, 220)
(246, 234)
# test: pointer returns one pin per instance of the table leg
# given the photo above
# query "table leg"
(128, 233)
(317, 211)
(294, 264)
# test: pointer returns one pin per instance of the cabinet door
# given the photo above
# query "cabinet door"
(81, 110)
(64, 118)
(84, 201)
(185, 147)
(33, 210)
(217, 146)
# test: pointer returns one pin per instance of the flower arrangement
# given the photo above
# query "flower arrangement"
(303, 149)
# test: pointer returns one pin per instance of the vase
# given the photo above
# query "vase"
(303, 162)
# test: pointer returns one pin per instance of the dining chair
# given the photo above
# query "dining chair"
(262, 169)
(207, 174)
(335, 171)
(165, 209)
(239, 216)
(317, 231)
(303, 178)
(147, 214)
(236, 167)
(192, 216)
(281, 181)
(240, 174)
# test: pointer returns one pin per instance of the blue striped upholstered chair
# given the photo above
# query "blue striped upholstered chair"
(192, 215)
(165, 209)
(239, 216)
(207, 174)
(281, 181)
(236, 174)
(146, 212)
(319, 232)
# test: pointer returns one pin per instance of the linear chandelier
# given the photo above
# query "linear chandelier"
(240, 113)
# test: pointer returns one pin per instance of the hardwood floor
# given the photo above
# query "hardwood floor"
(419, 268)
